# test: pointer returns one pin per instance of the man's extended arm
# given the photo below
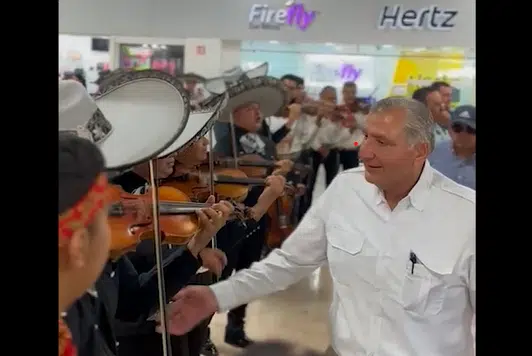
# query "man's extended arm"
(303, 252)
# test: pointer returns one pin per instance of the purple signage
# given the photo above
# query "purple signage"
(349, 72)
(293, 15)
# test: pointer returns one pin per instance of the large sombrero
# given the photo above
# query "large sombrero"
(191, 77)
(233, 76)
(244, 87)
(137, 116)
(198, 125)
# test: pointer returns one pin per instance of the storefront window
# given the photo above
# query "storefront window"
(379, 71)
(169, 59)
(77, 54)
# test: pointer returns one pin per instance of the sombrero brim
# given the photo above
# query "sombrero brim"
(148, 111)
(198, 125)
(191, 76)
(265, 91)
(218, 85)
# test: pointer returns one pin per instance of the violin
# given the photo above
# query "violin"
(357, 105)
(308, 107)
(131, 218)
(280, 216)
(229, 184)
(255, 166)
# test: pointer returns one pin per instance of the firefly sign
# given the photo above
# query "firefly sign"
(293, 15)
(349, 72)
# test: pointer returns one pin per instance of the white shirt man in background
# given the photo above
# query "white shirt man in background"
(399, 238)
(351, 137)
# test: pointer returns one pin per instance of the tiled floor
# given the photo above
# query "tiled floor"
(298, 314)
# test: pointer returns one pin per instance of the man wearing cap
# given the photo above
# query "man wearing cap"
(457, 158)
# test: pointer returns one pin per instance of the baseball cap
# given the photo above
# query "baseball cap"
(465, 114)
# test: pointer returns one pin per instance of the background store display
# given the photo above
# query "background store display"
(169, 59)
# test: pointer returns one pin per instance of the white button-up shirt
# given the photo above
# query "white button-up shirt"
(382, 305)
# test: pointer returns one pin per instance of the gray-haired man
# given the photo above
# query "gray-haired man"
(404, 274)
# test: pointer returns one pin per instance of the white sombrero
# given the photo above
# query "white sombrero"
(138, 116)
(198, 125)
(233, 76)
(191, 77)
(245, 87)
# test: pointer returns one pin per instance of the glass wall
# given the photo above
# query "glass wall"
(379, 71)
(78, 54)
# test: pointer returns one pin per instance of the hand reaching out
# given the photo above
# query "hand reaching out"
(191, 305)
(284, 166)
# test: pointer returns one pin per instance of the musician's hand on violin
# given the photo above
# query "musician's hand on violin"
(211, 220)
(225, 208)
(276, 184)
(214, 260)
(284, 166)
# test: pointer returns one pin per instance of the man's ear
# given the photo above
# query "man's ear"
(421, 151)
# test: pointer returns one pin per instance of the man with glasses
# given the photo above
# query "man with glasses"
(457, 159)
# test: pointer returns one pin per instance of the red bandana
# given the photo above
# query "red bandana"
(84, 211)
(66, 346)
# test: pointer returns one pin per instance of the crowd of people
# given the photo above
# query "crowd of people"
(418, 158)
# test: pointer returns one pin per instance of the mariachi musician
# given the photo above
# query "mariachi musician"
(82, 223)
(142, 339)
(92, 319)
(250, 99)
(236, 74)
(349, 140)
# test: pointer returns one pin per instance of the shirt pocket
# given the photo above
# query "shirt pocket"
(343, 249)
(424, 288)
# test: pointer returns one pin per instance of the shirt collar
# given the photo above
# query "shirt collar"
(467, 160)
(438, 126)
(419, 193)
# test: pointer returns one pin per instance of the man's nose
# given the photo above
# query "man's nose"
(365, 152)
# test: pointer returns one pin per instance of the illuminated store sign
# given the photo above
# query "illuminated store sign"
(349, 72)
(431, 18)
(293, 15)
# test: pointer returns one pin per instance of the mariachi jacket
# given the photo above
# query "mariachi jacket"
(123, 302)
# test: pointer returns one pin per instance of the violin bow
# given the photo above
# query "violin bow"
(211, 186)
(157, 240)
(233, 140)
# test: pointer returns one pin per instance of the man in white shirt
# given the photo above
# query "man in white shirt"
(431, 97)
(351, 136)
(399, 238)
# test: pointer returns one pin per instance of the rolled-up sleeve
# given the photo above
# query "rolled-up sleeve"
(303, 252)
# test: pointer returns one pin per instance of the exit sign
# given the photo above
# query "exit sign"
(200, 50)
